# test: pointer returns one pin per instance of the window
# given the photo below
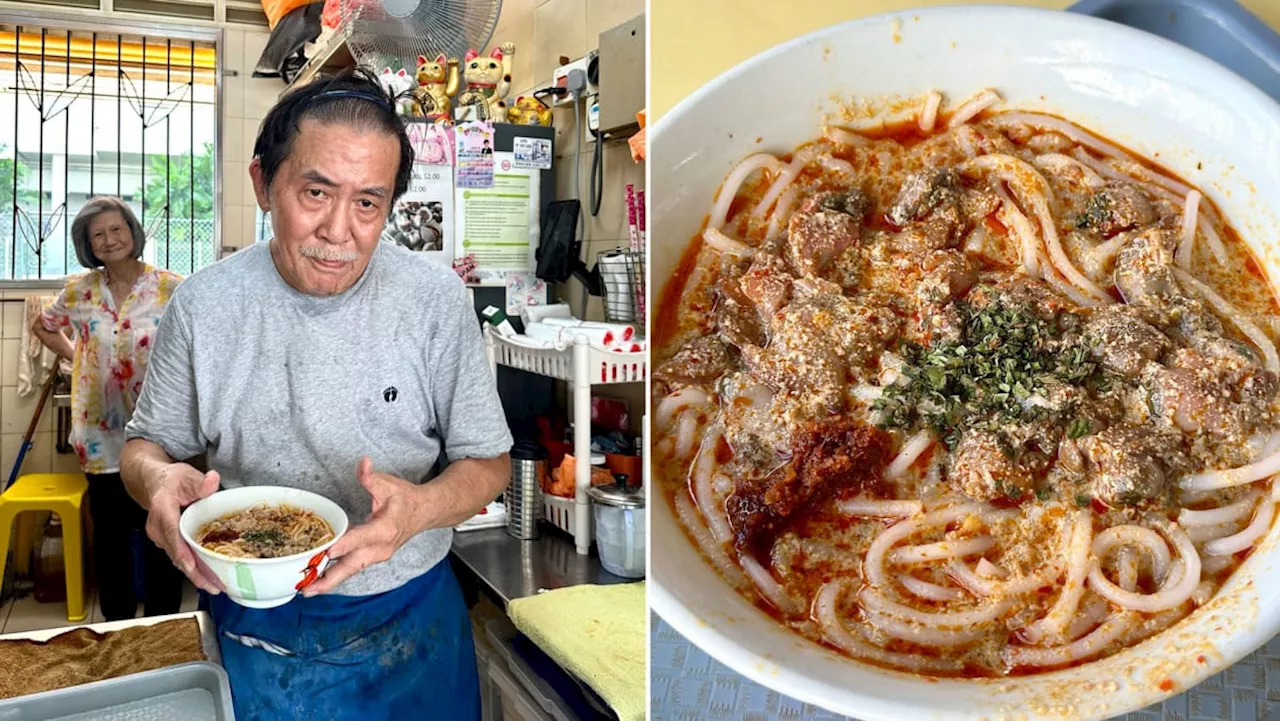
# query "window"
(87, 112)
(262, 226)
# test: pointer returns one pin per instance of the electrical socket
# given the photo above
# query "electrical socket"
(560, 79)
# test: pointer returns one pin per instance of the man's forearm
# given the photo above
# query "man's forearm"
(140, 461)
(462, 490)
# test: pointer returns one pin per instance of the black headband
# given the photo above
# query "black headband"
(357, 94)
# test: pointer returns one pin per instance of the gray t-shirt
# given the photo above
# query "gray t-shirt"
(282, 388)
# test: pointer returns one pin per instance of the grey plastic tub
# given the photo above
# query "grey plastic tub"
(197, 691)
(1221, 30)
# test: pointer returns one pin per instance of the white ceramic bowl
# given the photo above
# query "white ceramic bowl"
(262, 582)
(1148, 94)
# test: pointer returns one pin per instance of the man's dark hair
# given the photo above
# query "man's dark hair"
(353, 98)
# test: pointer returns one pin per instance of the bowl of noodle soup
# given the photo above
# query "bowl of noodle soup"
(265, 543)
(965, 387)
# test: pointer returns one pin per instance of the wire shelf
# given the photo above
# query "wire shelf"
(624, 290)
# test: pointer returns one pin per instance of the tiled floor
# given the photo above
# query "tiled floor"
(27, 614)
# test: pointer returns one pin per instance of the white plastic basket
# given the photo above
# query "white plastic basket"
(559, 512)
(602, 367)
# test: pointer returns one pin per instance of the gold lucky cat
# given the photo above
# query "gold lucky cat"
(437, 82)
(488, 80)
(528, 110)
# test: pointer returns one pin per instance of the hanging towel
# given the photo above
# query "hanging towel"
(34, 360)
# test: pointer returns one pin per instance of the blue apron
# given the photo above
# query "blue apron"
(404, 654)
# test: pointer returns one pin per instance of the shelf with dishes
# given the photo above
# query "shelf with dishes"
(583, 364)
(578, 361)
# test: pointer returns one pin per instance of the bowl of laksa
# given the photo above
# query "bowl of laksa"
(965, 372)
(265, 543)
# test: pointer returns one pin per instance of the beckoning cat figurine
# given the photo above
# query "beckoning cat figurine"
(488, 81)
(437, 82)
(397, 85)
(528, 110)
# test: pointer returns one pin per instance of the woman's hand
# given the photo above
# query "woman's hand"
(176, 486)
(397, 516)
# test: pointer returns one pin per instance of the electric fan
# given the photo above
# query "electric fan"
(394, 33)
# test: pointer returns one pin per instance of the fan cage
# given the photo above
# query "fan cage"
(376, 38)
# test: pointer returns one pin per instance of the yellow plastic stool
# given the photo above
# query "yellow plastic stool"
(60, 493)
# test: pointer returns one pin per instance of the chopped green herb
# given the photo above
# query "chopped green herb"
(1097, 211)
(1082, 500)
(937, 378)
(1013, 493)
(1079, 428)
(1005, 355)
(1042, 494)
(265, 538)
(1102, 382)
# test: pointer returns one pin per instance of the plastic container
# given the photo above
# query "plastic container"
(50, 570)
(559, 511)
(602, 366)
(620, 528)
(197, 691)
(599, 460)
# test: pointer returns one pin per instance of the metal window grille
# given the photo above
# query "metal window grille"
(190, 12)
(87, 112)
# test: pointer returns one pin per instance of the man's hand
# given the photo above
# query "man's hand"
(396, 517)
(177, 486)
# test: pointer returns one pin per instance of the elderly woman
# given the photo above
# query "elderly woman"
(113, 310)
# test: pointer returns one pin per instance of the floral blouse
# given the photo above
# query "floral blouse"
(112, 349)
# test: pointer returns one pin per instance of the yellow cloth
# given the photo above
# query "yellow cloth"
(597, 633)
(690, 43)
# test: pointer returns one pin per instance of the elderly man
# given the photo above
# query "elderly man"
(299, 362)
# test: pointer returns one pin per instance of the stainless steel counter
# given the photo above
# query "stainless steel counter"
(514, 569)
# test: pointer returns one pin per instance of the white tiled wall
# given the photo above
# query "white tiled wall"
(543, 31)
(569, 28)
(245, 101)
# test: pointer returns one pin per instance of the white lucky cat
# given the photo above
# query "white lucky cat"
(397, 84)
